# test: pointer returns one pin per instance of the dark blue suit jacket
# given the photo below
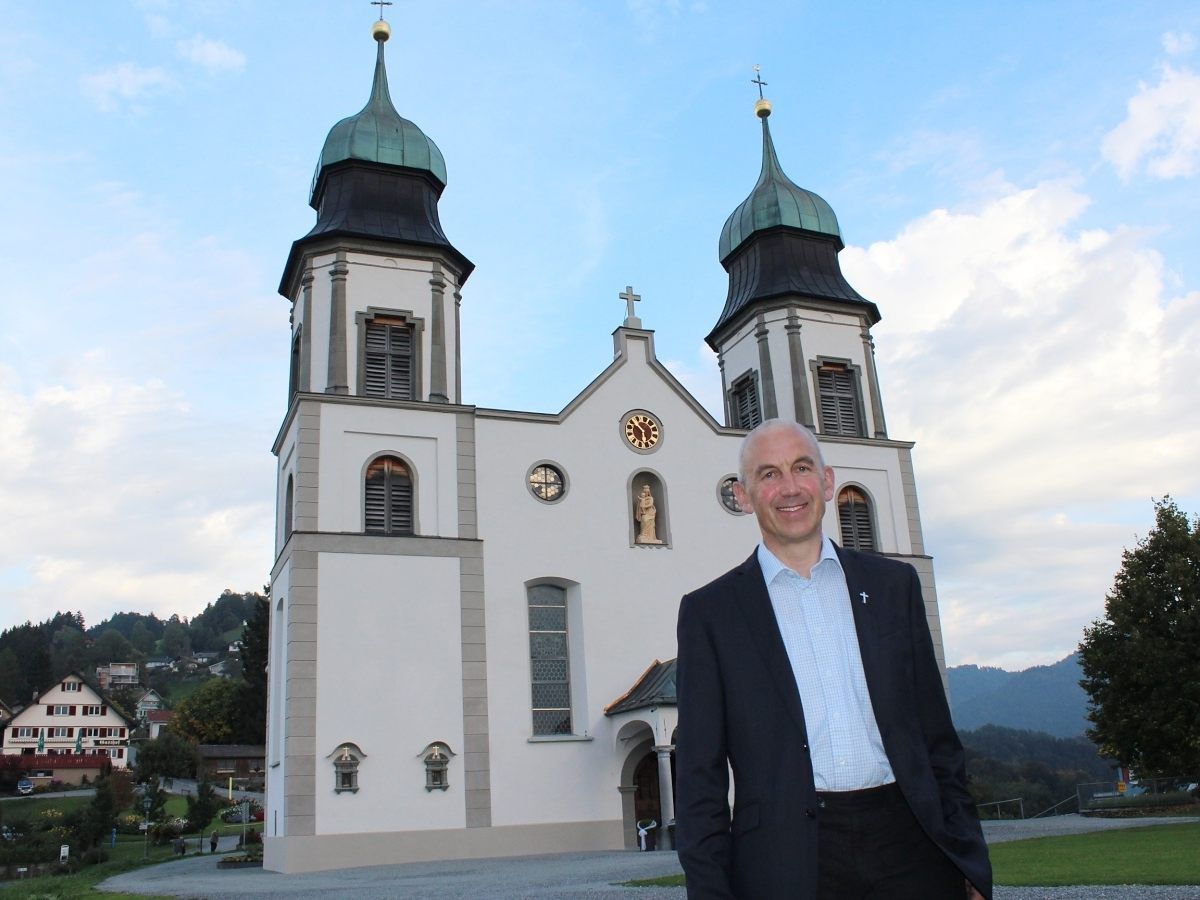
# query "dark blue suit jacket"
(738, 701)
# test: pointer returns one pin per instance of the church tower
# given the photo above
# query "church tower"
(787, 295)
(794, 342)
(376, 539)
(376, 191)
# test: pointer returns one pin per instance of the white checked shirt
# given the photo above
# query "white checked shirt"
(818, 631)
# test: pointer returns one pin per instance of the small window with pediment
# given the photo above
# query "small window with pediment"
(346, 761)
(437, 758)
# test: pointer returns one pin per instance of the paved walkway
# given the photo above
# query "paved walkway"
(566, 876)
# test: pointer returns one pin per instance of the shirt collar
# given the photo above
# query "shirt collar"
(771, 565)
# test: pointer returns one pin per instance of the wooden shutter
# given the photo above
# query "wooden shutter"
(854, 516)
(746, 411)
(388, 498)
(839, 401)
(387, 364)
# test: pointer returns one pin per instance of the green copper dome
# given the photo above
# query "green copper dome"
(776, 201)
(380, 134)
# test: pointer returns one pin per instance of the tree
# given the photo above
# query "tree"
(167, 756)
(209, 715)
(1141, 663)
(175, 640)
(141, 638)
(69, 651)
(203, 807)
(253, 722)
(12, 681)
(112, 647)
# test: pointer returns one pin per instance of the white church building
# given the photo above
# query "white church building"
(473, 631)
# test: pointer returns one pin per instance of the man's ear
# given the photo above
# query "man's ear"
(828, 483)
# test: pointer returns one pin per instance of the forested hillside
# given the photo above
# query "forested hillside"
(34, 656)
(1043, 698)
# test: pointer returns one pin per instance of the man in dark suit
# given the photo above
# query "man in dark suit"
(809, 671)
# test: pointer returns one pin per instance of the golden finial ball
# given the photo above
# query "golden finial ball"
(762, 108)
(381, 30)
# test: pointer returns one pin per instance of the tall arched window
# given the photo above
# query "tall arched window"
(854, 514)
(549, 660)
(388, 497)
(288, 501)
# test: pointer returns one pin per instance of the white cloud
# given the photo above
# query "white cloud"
(1040, 369)
(1178, 44)
(212, 55)
(118, 509)
(125, 82)
(1161, 130)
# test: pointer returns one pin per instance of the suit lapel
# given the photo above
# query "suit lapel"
(755, 605)
(866, 611)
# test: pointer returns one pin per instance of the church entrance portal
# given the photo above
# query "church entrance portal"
(647, 799)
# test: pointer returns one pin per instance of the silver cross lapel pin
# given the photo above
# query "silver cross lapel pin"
(864, 596)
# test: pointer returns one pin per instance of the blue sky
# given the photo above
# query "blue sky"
(1017, 185)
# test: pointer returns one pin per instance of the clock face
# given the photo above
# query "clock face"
(642, 431)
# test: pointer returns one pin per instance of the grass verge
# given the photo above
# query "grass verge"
(1155, 854)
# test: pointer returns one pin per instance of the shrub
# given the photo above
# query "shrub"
(94, 856)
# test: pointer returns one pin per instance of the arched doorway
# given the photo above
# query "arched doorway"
(647, 796)
(646, 802)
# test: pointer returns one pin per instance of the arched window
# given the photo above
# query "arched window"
(388, 498)
(549, 660)
(854, 514)
(288, 500)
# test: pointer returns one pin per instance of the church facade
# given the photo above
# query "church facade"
(473, 623)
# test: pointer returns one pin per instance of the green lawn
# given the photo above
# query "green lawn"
(1158, 854)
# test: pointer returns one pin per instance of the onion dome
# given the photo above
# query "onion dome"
(782, 242)
(379, 178)
(377, 133)
(776, 200)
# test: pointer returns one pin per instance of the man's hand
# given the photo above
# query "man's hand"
(973, 894)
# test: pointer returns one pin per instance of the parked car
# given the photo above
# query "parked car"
(25, 786)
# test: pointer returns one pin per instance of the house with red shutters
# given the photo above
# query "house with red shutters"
(68, 731)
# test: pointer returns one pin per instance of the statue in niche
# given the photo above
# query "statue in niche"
(645, 513)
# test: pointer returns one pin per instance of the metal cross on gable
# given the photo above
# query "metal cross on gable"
(381, 4)
(757, 79)
(630, 298)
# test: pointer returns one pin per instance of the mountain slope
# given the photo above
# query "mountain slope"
(1044, 698)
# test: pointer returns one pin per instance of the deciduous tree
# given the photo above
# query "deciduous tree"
(1141, 662)
(210, 714)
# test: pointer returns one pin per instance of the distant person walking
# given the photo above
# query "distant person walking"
(212, 841)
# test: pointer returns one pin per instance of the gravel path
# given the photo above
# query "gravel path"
(570, 876)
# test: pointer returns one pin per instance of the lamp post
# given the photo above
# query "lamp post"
(146, 803)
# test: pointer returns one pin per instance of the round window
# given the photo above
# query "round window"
(547, 483)
(728, 498)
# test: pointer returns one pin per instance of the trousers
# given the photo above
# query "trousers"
(871, 847)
